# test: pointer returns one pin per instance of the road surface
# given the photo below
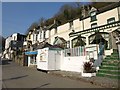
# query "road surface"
(15, 76)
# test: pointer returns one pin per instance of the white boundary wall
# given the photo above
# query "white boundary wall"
(74, 64)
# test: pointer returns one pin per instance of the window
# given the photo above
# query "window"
(110, 20)
(14, 43)
(93, 13)
(93, 25)
(93, 16)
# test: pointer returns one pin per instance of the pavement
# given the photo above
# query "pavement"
(100, 81)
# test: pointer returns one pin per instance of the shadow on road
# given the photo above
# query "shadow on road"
(15, 78)
(41, 86)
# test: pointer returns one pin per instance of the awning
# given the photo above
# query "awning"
(31, 53)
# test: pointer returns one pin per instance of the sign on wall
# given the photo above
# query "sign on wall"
(43, 55)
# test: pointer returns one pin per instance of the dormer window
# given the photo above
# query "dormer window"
(93, 14)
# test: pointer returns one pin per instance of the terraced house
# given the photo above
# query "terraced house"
(96, 27)
(99, 25)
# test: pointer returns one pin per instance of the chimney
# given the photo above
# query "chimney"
(54, 21)
(83, 11)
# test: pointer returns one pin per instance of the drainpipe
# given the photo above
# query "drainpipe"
(83, 24)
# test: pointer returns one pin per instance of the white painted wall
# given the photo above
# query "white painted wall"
(51, 59)
(28, 61)
(101, 18)
(47, 34)
(73, 63)
(63, 28)
(7, 41)
(87, 23)
(108, 52)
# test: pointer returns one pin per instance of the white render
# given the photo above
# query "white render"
(7, 41)
(73, 63)
(50, 59)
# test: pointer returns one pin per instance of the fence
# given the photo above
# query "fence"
(78, 51)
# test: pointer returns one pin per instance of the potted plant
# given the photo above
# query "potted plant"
(87, 67)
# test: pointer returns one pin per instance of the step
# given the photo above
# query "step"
(111, 58)
(115, 55)
(115, 51)
(109, 67)
(116, 72)
(110, 63)
(108, 75)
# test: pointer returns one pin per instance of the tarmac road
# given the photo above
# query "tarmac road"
(15, 76)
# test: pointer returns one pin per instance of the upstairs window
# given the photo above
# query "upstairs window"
(93, 16)
(110, 20)
(93, 25)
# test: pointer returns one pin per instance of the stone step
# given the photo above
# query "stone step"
(109, 67)
(108, 75)
(115, 51)
(111, 58)
(116, 72)
(110, 63)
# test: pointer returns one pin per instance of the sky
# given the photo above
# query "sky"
(18, 16)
